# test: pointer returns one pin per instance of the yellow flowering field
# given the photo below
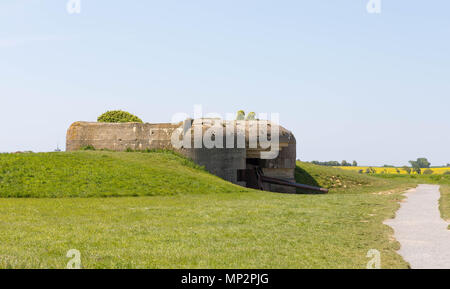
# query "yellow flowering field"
(382, 170)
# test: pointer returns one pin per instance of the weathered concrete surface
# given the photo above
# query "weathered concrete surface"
(422, 233)
(223, 163)
(119, 136)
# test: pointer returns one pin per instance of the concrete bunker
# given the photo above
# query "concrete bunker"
(246, 164)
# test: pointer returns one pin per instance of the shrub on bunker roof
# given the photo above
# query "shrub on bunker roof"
(118, 116)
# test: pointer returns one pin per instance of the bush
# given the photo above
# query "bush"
(428, 172)
(88, 148)
(251, 116)
(447, 173)
(240, 115)
(118, 116)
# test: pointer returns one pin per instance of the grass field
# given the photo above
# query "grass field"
(445, 202)
(182, 217)
(440, 179)
(383, 170)
(342, 181)
(251, 230)
(103, 174)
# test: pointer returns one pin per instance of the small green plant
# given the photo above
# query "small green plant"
(115, 116)
(251, 116)
(240, 115)
(88, 148)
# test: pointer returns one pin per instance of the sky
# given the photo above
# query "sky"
(351, 85)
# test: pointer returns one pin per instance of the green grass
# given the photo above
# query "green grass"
(183, 217)
(251, 230)
(442, 180)
(444, 203)
(342, 181)
(417, 179)
(103, 174)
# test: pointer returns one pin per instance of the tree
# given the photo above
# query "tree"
(355, 163)
(328, 164)
(345, 164)
(407, 169)
(240, 115)
(417, 170)
(251, 116)
(118, 116)
(448, 165)
(422, 163)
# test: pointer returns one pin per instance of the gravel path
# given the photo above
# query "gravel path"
(423, 235)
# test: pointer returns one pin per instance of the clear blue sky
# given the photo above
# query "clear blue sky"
(349, 84)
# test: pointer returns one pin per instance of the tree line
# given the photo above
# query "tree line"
(344, 163)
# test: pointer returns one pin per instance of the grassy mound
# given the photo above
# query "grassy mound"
(341, 181)
(102, 174)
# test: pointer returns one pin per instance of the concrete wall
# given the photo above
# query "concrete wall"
(285, 174)
(282, 167)
(286, 157)
(223, 163)
(119, 136)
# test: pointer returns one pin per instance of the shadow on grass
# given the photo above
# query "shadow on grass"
(304, 178)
